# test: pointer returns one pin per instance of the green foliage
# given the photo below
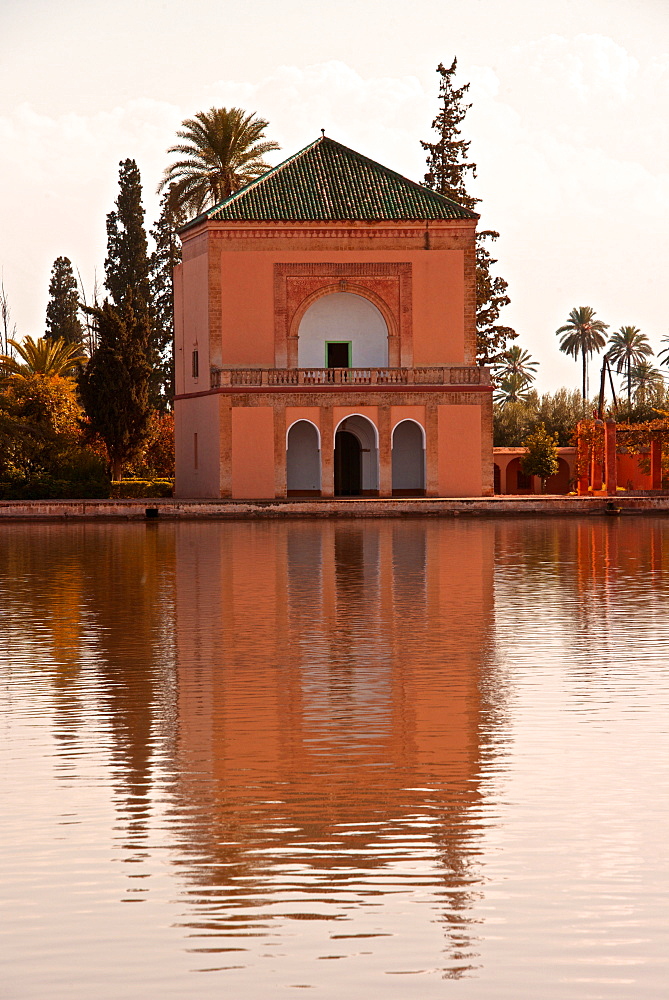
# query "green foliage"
(512, 388)
(641, 411)
(39, 417)
(582, 334)
(74, 473)
(7, 330)
(41, 451)
(559, 412)
(156, 459)
(516, 361)
(135, 489)
(447, 161)
(223, 149)
(114, 386)
(514, 374)
(46, 486)
(663, 355)
(448, 169)
(62, 311)
(48, 401)
(541, 459)
(645, 379)
(41, 357)
(26, 449)
(41, 454)
(627, 347)
(127, 262)
(512, 422)
(491, 297)
(163, 261)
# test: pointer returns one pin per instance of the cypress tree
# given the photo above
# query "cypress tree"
(163, 261)
(448, 170)
(62, 311)
(127, 263)
(114, 386)
(491, 337)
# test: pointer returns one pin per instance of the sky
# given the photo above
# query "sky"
(569, 127)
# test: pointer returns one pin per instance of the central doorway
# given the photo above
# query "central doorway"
(347, 465)
(356, 457)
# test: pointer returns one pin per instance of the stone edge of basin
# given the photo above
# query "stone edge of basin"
(177, 509)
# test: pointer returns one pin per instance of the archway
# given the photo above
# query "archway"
(356, 457)
(559, 483)
(408, 459)
(516, 480)
(342, 330)
(303, 459)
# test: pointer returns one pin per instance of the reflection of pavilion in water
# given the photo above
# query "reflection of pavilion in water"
(332, 702)
(332, 708)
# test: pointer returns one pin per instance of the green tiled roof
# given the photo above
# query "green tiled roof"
(328, 182)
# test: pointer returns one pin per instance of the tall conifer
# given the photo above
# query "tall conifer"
(163, 261)
(127, 263)
(114, 386)
(62, 311)
(448, 170)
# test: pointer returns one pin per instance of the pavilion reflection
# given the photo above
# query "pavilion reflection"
(334, 701)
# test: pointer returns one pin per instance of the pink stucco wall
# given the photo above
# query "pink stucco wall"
(438, 295)
(253, 452)
(197, 466)
(247, 302)
(630, 474)
(191, 295)
(459, 442)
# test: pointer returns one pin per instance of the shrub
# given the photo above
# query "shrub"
(136, 489)
(47, 487)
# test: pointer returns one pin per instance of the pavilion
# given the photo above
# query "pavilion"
(325, 339)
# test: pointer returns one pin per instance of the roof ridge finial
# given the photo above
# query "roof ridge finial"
(323, 132)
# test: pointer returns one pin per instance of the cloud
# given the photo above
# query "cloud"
(569, 134)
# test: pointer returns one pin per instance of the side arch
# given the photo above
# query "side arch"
(303, 458)
(408, 458)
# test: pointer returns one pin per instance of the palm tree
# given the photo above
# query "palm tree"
(645, 377)
(584, 335)
(628, 347)
(516, 361)
(222, 151)
(663, 355)
(515, 388)
(41, 357)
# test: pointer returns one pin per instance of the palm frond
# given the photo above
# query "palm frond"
(221, 152)
(42, 357)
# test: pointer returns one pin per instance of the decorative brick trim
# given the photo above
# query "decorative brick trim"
(451, 393)
(444, 230)
(387, 286)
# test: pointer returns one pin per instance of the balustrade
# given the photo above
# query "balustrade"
(430, 375)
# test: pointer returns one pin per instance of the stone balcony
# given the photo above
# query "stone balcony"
(424, 376)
